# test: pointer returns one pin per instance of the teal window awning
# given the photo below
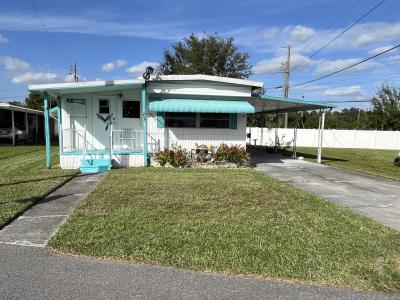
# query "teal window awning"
(200, 105)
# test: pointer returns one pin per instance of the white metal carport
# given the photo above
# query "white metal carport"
(26, 111)
(273, 104)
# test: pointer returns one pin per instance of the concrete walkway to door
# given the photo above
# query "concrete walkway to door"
(41, 221)
(375, 197)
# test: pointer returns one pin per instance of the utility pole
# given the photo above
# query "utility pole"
(74, 73)
(286, 87)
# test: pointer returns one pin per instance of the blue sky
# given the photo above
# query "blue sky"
(118, 39)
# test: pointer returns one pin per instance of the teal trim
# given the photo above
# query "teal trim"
(54, 109)
(102, 152)
(297, 101)
(47, 129)
(59, 126)
(200, 105)
(144, 120)
(233, 121)
(160, 120)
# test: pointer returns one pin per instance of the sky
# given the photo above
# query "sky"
(118, 39)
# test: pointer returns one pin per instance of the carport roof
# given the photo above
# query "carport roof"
(8, 106)
(272, 104)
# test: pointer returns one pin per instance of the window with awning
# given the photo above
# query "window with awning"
(172, 105)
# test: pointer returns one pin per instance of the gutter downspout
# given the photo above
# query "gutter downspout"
(47, 129)
(144, 120)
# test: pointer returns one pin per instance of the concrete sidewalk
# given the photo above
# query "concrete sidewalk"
(40, 222)
(375, 197)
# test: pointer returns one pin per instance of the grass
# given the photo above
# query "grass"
(233, 221)
(374, 162)
(24, 178)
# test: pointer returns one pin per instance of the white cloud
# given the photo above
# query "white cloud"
(113, 65)
(270, 32)
(273, 65)
(14, 64)
(35, 77)
(70, 78)
(394, 59)
(140, 68)
(307, 39)
(301, 33)
(97, 23)
(3, 40)
(324, 66)
(380, 49)
(354, 90)
(44, 77)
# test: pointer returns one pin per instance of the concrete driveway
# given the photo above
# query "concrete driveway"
(375, 197)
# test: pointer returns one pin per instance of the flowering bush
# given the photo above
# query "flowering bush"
(233, 154)
(179, 157)
(175, 157)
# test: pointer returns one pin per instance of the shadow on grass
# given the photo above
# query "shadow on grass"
(33, 180)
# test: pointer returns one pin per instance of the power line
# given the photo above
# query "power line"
(48, 34)
(339, 35)
(345, 68)
(337, 19)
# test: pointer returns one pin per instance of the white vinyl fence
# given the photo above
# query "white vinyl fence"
(332, 138)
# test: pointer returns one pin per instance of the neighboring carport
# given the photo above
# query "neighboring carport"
(21, 118)
(274, 105)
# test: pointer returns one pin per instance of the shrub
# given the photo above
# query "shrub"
(175, 157)
(233, 154)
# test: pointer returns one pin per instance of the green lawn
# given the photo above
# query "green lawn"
(234, 221)
(24, 178)
(375, 162)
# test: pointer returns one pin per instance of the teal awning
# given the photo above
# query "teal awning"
(200, 106)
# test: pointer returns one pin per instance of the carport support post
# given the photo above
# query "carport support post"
(320, 137)
(47, 129)
(26, 127)
(36, 128)
(13, 127)
(144, 120)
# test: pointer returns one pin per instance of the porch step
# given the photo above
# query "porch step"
(95, 165)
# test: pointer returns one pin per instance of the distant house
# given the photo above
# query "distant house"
(127, 120)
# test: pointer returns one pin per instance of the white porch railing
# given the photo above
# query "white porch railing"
(127, 139)
(74, 139)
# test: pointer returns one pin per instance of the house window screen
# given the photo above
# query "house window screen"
(104, 106)
(130, 109)
(215, 120)
(187, 120)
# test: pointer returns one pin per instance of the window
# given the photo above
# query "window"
(180, 119)
(104, 106)
(130, 109)
(214, 120)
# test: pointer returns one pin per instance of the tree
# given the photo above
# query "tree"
(210, 55)
(387, 107)
(35, 101)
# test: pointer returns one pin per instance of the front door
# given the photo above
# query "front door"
(103, 107)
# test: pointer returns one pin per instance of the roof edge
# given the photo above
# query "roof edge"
(202, 77)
